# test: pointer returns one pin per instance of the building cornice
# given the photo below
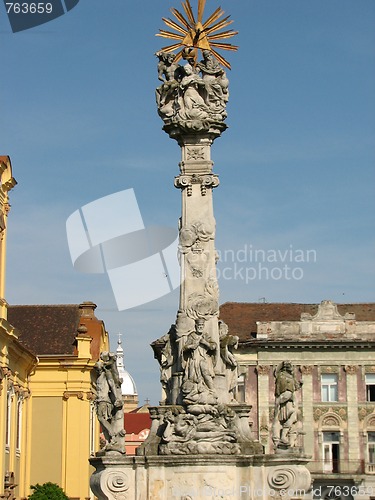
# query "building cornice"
(329, 344)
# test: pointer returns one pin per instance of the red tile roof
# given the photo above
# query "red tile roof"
(242, 317)
(46, 329)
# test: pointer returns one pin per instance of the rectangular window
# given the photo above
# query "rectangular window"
(19, 425)
(371, 447)
(92, 429)
(329, 387)
(370, 387)
(240, 390)
(8, 418)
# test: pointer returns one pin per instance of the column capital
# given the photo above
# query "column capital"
(306, 369)
(263, 369)
(206, 181)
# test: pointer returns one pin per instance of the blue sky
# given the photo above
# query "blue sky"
(296, 164)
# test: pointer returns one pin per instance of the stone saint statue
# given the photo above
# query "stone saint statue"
(284, 430)
(109, 403)
(198, 386)
(216, 84)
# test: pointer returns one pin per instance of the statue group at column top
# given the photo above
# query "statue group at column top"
(194, 95)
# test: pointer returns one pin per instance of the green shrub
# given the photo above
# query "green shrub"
(47, 491)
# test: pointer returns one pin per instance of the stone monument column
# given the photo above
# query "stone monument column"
(200, 442)
(197, 254)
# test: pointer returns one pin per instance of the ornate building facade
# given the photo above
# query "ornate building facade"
(332, 348)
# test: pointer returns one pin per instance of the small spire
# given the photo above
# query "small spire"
(119, 342)
(120, 352)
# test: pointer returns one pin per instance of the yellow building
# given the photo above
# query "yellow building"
(16, 363)
(62, 429)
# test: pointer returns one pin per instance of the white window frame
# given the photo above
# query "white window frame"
(8, 424)
(329, 387)
(19, 424)
(241, 389)
(330, 439)
(370, 387)
(371, 447)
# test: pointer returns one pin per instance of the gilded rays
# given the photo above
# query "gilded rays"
(193, 33)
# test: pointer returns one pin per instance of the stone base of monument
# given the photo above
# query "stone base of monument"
(200, 477)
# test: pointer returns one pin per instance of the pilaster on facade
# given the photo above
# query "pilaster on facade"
(264, 403)
(352, 401)
(307, 408)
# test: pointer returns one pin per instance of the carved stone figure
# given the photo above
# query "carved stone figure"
(212, 432)
(286, 413)
(167, 73)
(109, 403)
(166, 357)
(227, 363)
(216, 84)
(199, 348)
(191, 103)
(191, 100)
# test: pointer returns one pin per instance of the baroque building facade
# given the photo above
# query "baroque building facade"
(332, 350)
(61, 428)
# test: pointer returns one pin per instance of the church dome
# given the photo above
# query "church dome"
(128, 387)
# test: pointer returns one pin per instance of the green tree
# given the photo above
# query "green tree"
(47, 491)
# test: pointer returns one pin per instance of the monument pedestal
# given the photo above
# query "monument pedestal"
(200, 477)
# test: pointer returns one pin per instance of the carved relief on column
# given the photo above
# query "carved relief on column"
(204, 305)
(195, 153)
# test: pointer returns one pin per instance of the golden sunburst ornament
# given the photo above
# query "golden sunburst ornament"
(194, 35)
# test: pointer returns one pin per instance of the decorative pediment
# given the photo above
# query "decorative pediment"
(327, 320)
(327, 311)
